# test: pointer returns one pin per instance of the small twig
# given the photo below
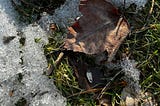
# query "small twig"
(140, 30)
(58, 60)
(152, 6)
(56, 63)
(150, 12)
(85, 92)
(106, 86)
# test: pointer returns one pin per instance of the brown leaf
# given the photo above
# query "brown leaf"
(101, 28)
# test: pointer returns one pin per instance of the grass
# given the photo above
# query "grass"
(63, 73)
(64, 76)
(142, 45)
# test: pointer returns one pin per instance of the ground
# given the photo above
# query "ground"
(141, 45)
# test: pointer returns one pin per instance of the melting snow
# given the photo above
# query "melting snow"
(127, 3)
(22, 67)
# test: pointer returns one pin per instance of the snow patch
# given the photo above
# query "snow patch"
(63, 16)
(22, 66)
(127, 3)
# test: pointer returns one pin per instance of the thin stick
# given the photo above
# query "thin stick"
(149, 14)
(152, 6)
(58, 60)
(86, 91)
(105, 88)
(56, 63)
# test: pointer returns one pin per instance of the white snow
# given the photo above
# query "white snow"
(63, 16)
(127, 3)
(9, 53)
(26, 61)
(132, 76)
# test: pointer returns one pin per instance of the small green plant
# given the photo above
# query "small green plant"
(37, 40)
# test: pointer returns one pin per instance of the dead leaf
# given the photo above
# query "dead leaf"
(101, 28)
(96, 77)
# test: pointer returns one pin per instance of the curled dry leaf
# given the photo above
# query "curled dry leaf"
(101, 28)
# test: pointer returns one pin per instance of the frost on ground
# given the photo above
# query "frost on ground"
(132, 93)
(127, 3)
(9, 57)
(22, 64)
(63, 16)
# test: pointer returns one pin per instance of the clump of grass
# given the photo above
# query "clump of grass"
(144, 46)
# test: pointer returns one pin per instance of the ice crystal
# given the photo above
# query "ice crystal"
(22, 63)
(127, 3)
(132, 74)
